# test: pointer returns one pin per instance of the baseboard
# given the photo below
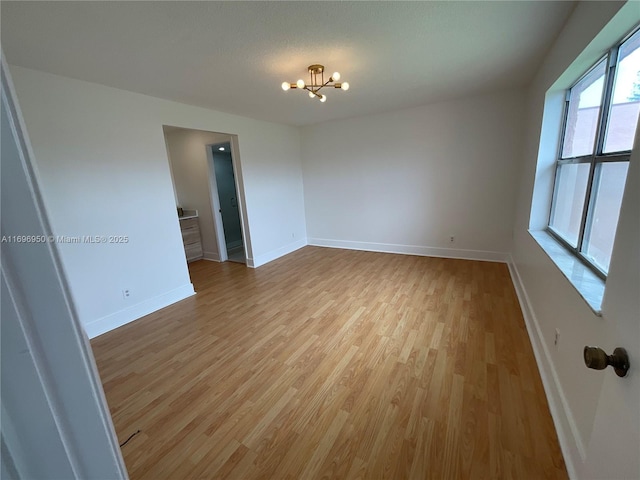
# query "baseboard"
(569, 438)
(238, 248)
(412, 250)
(117, 319)
(260, 260)
(211, 256)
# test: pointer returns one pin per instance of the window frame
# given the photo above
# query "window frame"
(594, 159)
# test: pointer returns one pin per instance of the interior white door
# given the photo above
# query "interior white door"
(614, 447)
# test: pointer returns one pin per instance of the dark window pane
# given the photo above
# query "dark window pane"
(598, 242)
(571, 187)
(582, 117)
(623, 116)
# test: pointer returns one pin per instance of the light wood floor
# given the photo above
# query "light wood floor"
(333, 364)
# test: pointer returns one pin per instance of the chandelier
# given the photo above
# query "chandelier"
(316, 83)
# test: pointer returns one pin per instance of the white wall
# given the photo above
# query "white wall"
(551, 301)
(189, 165)
(407, 180)
(103, 163)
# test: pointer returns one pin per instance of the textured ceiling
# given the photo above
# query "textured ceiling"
(233, 56)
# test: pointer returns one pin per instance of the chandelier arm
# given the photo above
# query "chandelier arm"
(315, 92)
(323, 85)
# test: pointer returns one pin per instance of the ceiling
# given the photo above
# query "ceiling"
(233, 56)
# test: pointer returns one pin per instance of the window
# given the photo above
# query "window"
(600, 120)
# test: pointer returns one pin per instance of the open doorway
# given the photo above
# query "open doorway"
(224, 195)
(200, 210)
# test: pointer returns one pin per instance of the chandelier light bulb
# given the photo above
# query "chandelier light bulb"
(345, 86)
(336, 76)
(323, 98)
(311, 94)
(286, 86)
(300, 83)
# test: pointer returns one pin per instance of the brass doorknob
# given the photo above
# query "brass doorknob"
(596, 358)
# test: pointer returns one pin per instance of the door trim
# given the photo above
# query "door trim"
(223, 255)
(215, 199)
(60, 351)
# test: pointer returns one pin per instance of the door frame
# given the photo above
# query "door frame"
(223, 255)
(66, 379)
(215, 198)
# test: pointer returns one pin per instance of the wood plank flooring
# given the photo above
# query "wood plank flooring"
(333, 364)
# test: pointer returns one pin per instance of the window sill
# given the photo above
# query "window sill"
(588, 284)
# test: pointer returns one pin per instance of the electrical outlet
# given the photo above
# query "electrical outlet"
(126, 293)
(452, 238)
(556, 339)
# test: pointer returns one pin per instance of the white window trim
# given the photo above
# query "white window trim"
(594, 159)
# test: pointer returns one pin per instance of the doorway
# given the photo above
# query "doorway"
(224, 195)
(191, 159)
